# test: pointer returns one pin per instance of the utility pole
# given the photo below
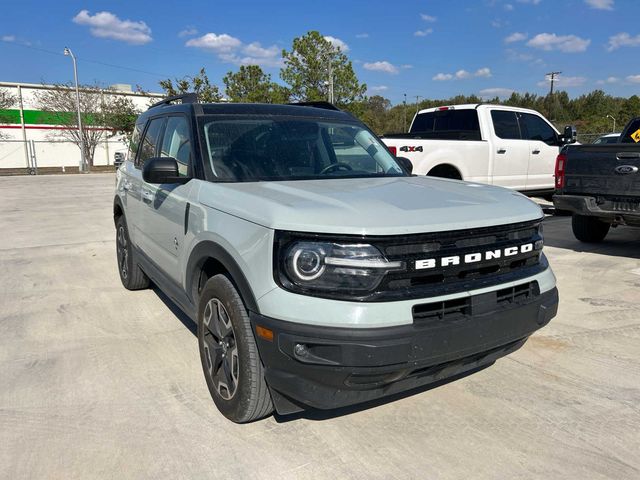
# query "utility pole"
(84, 167)
(552, 76)
(404, 111)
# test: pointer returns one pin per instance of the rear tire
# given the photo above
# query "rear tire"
(589, 229)
(131, 276)
(445, 171)
(229, 354)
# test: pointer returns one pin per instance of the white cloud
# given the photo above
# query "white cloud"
(8, 38)
(564, 43)
(423, 33)
(362, 35)
(562, 81)
(337, 43)
(508, 7)
(600, 4)
(462, 74)
(382, 66)
(623, 39)
(107, 25)
(378, 88)
(222, 43)
(427, 18)
(441, 77)
(496, 92)
(608, 80)
(406, 65)
(633, 78)
(515, 37)
(188, 32)
(484, 72)
(232, 50)
(531, 2)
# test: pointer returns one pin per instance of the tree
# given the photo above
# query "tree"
(251, 84)
(104, 114)
(7, 100)
(310, 64)
(198, 84)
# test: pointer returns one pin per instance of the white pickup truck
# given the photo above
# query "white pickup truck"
(506, 146)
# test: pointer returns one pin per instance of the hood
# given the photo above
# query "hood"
(370, 206)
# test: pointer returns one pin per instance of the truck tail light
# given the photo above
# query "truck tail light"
(561, 165)
(393, 150)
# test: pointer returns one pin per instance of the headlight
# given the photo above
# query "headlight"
(313, 267)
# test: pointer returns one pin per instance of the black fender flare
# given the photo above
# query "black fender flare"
(208, 249)
(117, 203)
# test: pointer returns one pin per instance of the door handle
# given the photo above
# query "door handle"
(502, 150)
(536, 151)
(147, 196)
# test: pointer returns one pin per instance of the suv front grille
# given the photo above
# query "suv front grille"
(414, 282)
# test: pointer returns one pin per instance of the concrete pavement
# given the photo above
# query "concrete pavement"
(100, 382)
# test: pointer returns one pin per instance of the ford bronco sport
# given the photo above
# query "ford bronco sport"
(319, 271)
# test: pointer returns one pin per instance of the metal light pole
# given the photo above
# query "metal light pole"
(614, 123)
(83, 161)
(404, 113)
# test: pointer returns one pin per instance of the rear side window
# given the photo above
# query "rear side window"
(135, 142)
(505, 124)
(632, 133)
(176, 143)
(149, 143)
(537, 129)
(461, 124)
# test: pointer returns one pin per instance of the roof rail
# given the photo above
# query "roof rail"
(185, 97)
(324, 105)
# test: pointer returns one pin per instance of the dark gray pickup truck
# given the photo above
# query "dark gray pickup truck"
(600, 184)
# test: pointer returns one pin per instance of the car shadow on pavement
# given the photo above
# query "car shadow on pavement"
(319, 415)
(180, 315)
(620, 242)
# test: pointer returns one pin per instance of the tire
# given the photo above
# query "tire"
(131, 276)
(589, 229)
(229, 354)
(445, 171)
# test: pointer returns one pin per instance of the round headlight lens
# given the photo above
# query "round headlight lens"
(307, 264)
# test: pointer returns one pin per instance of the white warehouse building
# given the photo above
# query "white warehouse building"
(28, 141)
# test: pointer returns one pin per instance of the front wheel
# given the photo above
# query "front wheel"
(131, 275)
(589, 229)
(229, 354)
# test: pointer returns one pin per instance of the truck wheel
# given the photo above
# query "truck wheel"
(131, 276)
(229, 355)
(445, 171)
(589, 229)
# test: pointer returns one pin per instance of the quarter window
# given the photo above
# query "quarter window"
(537, 129)
(505, 124)
(150, 141)
(177, 144)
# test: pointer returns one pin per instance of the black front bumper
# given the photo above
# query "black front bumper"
(328, 367)
(614, 211)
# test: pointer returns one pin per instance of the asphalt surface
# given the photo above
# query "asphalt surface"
(99, 382)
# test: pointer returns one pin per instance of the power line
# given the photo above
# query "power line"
(552, 76)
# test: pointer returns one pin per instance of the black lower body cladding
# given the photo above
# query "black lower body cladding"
(327, 367)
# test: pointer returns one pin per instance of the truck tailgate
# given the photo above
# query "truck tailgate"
(607, 170)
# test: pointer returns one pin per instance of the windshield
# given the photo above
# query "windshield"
(254, 149)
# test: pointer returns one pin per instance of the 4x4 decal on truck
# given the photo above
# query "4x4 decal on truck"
(407, 148)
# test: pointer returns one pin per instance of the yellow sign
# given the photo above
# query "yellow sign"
(636, 136)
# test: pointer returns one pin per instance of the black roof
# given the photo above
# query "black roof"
(249, 109)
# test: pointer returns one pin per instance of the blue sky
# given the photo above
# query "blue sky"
(428, 48)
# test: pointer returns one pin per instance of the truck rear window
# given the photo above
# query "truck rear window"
(448, 124)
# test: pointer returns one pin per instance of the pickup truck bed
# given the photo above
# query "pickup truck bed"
(600, 184)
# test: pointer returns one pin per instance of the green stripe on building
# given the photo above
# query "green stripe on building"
(39, 117)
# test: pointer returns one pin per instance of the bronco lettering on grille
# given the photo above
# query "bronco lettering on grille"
(472, 257)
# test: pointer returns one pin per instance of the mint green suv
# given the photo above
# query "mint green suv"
(319, 271)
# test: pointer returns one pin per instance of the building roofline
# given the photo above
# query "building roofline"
(42, 86)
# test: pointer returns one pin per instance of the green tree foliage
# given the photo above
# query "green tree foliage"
(6, 101)
(251, 85)
(99, 107)
(200, 84)
(307, 68)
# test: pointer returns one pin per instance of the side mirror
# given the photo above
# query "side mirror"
(570, 135)
(162, 170)
(405, 163)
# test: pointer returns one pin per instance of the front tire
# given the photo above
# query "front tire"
(229, 354)
(131, 276)
(589, 229)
